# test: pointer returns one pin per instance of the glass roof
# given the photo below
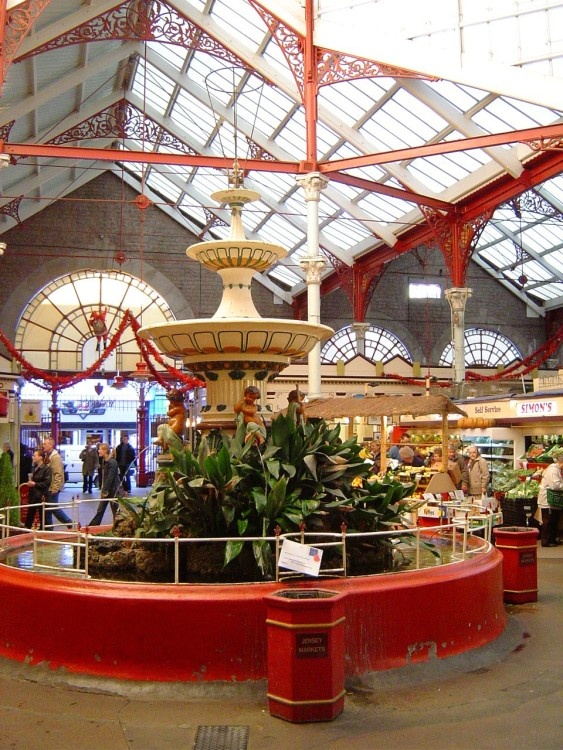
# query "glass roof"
(480, 69)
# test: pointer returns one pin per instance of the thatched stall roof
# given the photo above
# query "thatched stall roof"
(381, 406)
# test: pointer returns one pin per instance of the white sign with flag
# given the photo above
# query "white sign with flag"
(300, 557)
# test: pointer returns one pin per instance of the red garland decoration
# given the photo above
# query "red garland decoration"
(59, 382)
(518, 369)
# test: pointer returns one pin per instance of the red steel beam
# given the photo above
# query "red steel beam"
(445, 147)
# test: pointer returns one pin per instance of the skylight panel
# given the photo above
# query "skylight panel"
(284, 274)
(383, 209)
(275, 232)
(537, 114)
(274, 108)
(387, 133)
(500, 255)
(292, 137)
(344, 231)
(172, 53)
(194, 212)
(458, 96)
(416, 116)
(192, 117)
(279, 227)
(277, 184)
(339, 100)
(326, 138)
(208, 182)
(549, 291)
(152, 86)
(554, 260)
(240, 20)
(429, 172)
(164, 186)
(490, 122)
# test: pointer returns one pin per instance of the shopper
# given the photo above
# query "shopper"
(552, 479)
(90, 461)
(125, 455)
(479, 474)
(55, 463)
(393, 451)
(38, 488)
(407, 457)
(459, 475)
(110, 486)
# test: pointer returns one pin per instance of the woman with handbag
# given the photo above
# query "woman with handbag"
(552, 479)
(38, 484)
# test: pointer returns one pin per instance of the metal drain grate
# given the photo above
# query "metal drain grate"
(221, 738)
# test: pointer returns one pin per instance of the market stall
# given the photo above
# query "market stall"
(388, 406)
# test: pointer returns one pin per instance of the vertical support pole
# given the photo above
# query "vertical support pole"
(55, 416)
(457, 297)
(313, 265)
(142, 429)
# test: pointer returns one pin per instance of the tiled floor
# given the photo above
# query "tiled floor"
(506, 696)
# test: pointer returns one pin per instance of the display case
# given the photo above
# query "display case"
(499, 450)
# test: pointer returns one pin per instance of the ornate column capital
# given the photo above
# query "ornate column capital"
(312, 185)
(313, 267)
(457, 297)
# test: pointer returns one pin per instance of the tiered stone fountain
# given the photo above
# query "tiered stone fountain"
(236, 348)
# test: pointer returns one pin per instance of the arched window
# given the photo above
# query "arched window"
(484, 349)
(55, 332)
(380, 346)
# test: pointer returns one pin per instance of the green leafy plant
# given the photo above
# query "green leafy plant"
(302, 476)
(9, 495)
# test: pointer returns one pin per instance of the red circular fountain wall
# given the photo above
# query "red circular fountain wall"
(218, 632)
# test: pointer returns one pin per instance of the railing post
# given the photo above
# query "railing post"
(343, 528)
(86, 550)
(465, 530)
(277, 532)
(176, 532)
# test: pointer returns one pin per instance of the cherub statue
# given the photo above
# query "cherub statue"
(247, 415)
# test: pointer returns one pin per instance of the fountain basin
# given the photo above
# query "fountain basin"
(215, 633)
(216, 339)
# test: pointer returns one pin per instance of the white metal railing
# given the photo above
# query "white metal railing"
(79, 541)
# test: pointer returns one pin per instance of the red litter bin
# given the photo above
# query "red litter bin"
(519, 547)
(305, 654)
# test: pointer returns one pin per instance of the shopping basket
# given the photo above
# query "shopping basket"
(555, 498)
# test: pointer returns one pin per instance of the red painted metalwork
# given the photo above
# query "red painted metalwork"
(310, 88)
(203, 633)
(142, 432)
(455, 238)
(55, 411)
(149, 22)
(445, 147)
(330, 66)
(218, 162)
(403, 194)
(357, 284)
(12, 209)
(15, 24)
(146, 157)
(121, 120)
